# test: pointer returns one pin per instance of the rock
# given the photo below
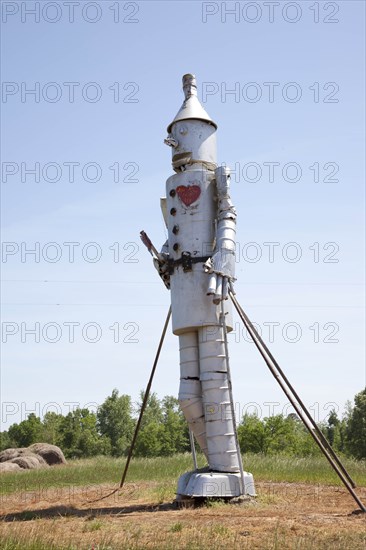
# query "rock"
(29, 461)
(38, 455)
(8, 454)
(50, 453)
(9, 467)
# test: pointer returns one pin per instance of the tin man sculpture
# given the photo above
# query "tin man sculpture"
(197, 263)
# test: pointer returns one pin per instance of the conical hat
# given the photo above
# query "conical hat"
(191, 108)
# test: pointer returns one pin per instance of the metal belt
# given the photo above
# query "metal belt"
(186, 260)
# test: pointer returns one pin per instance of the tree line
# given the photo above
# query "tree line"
(164, 431)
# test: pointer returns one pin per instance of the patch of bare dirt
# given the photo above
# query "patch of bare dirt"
(284, 516)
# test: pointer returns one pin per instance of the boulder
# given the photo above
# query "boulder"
(9, 467)
(50, 453)
(38, 455)
(8, 454)
(29, 461)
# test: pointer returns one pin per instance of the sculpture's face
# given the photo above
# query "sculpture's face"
(195, 141)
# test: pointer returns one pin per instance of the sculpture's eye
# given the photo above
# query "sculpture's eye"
(183, 130)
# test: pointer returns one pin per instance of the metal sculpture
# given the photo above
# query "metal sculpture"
(197, 264)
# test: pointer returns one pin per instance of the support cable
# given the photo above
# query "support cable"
(297, 403)
(142, 410)
(302, 405)
(146, 397)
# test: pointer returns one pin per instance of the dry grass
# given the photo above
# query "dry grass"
(298, 516)
(284, 516)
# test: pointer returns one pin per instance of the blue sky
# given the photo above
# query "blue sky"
(126, 79)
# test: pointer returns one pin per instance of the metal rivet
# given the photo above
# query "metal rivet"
(172, 193)
(173, 211)
(175, 229)
(175, 246)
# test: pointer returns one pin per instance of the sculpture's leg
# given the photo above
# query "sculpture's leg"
(190, 391)
(221, 441)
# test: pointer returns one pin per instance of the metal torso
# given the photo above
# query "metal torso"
(191, 213)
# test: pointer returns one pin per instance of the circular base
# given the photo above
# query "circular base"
(215, 485)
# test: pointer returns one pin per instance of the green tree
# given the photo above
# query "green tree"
(153, 408)
(78, 435)
(115, 422)
(332, 426)
(27, 432)
(51, 427)
(303, 444)
(5, 441)
(149, 440)
(163, 430)
(251, 434)
(279, 434)
(355, 432)
(150, 436)
(334, 431)
(275, 435)
(175, 436)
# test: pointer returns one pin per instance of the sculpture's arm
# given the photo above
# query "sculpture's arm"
(162, 264)
(160, 259)
(221, 266)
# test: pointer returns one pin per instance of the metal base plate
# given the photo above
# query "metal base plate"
(206, 484)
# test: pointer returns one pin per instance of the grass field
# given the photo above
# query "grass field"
(96, 471)
(300, 505)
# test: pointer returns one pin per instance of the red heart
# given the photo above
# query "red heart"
(188, 194)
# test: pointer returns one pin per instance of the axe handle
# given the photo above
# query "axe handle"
(149, 245)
